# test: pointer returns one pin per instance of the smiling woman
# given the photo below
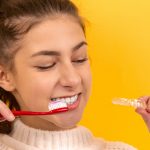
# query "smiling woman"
(44, 60)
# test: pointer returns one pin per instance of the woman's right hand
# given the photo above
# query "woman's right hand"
(5, 112)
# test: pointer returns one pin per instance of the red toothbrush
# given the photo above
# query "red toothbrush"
(54, 107)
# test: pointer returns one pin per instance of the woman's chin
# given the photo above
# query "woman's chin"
(66, 123)
(66, 127)
(67, 120)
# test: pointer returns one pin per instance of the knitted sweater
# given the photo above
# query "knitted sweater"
(24, 137)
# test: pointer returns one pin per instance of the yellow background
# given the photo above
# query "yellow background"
(118, 33)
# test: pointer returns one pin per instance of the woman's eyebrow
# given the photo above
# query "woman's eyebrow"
(79, 45)
(56, 53)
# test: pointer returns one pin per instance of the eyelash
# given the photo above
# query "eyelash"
(47, 67)
(81, 60)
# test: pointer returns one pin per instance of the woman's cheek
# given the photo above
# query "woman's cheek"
(36, 94)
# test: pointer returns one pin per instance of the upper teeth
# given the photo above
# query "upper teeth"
(68, 100)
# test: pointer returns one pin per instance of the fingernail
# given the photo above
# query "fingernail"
(11, 117)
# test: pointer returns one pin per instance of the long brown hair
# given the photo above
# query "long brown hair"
(17, 17)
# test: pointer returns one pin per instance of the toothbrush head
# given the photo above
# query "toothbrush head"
(55, 105)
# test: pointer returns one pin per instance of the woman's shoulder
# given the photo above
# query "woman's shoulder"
(98, 143)
(116, 145)
(3, 146)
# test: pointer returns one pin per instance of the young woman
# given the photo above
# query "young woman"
(43, 57)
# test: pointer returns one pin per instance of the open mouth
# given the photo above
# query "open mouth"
(69, 100)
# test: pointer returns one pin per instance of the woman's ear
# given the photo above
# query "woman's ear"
(6, 79)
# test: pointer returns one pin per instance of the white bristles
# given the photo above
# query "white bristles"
(129, 102)
(56, 105)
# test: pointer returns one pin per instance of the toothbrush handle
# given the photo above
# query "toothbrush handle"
(29, 113)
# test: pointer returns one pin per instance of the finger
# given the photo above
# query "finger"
(145, 115)
(2, 120)
(5, 112)
(148, 105)
(144, 98)
(141, 111)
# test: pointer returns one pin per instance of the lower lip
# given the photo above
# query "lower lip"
(75, 104)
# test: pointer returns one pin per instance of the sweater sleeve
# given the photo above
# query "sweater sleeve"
(4, 147)
(118, 146)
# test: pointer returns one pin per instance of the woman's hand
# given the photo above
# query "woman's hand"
(145, 113)
(5, 112)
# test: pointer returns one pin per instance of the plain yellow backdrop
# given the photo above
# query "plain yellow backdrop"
(118, 33)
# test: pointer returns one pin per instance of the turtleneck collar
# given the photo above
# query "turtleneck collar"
(51, 140)
(24, 137)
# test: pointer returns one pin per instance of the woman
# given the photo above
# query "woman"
(43, 56)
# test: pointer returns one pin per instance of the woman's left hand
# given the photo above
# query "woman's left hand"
(145, 113)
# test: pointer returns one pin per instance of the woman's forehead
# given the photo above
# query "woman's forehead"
(54, 34)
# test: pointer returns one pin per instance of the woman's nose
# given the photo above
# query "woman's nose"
(70, 77)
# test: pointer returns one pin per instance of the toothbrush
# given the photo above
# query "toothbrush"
(129, 102)
(54, 107)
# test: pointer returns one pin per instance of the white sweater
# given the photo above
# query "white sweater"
(24, 137)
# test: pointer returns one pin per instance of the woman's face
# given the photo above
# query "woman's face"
(52, 64)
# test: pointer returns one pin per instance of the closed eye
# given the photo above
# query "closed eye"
(80, 60)
(51, 66)
(45, 67)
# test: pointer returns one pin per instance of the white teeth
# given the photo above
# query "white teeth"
(71, 100)
(68, 100)
(74, 98)
(63, 100)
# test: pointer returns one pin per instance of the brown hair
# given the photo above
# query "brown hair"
(17, 17)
